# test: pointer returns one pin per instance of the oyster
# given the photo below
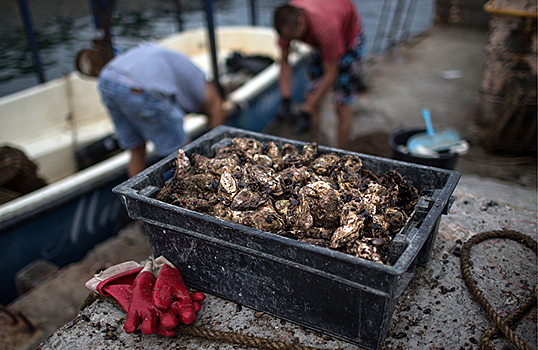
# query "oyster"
(265, 178)
(301, 216)
(273, 152)
(248, 200)
(366, 250)
(262, 159)
(324, 164)
(248, 146)
(310, 152)
(404, 195)
(183, 165)
(265, 219)
(227, 186)
(352, 222)
(217, 165)
(324, 203)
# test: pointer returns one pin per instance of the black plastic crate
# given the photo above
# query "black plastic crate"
(338, 294)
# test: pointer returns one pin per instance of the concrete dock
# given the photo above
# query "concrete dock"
(436, 311)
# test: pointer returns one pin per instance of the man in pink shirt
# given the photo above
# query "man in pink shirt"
(333, 29)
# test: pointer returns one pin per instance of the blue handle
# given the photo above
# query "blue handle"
(426, 116)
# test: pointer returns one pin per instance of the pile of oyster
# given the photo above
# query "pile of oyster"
(324, 199)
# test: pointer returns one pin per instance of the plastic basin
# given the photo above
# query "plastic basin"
(399, 138)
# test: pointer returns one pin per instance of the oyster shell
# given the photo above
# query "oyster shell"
(265, 219)
(248, 200)
(352, 222)
(273, 152)
(324, 203)
(324, 164)
(247, 146)
(228, 187)
(183, 165)
(366, 250)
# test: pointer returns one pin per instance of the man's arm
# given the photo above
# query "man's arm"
(330, 73)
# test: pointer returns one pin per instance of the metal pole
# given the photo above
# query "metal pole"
(253, 12)
(211, 32)
(381, 26)
(395, 24)
(178, 15)
(31, 40)
(410, 15)
(93, 8)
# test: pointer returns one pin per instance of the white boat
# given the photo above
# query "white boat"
(50, 122)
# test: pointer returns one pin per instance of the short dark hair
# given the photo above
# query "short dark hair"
(91, 61)
(286, 16)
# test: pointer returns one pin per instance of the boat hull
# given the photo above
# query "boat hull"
(260, 110)
(61, 231)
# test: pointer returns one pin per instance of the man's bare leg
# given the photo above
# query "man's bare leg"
(345, 119)
(315, 134)
(138, 160)
(212, 106)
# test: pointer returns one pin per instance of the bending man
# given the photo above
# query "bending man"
(147, 91)
(333, 29)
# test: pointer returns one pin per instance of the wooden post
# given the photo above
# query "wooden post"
(509, 77)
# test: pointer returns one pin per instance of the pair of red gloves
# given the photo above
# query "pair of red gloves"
(156, 304)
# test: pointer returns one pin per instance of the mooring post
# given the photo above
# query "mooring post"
(211, 33)
(25, 13)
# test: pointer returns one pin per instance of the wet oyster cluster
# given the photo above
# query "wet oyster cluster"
(325, 199)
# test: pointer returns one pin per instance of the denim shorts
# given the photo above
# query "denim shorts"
(348, 81)
(143, 116)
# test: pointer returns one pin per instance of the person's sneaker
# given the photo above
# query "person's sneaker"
(303, 122)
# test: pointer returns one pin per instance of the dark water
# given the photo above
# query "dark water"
(63, 27)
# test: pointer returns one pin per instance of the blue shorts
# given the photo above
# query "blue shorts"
(143, 116)
(348, 81)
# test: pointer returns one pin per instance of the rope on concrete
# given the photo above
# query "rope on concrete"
(530, 301)
(212, 334)
(239, 339)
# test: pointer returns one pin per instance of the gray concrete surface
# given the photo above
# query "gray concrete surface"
(436, 311)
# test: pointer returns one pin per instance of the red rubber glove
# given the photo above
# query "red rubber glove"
(169, 318)
(117, 282)
(171, 293)
(197, 299)
(141, 310)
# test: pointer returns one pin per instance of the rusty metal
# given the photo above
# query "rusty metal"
(489, 8)
(12, 316)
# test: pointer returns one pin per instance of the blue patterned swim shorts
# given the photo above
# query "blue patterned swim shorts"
(348, 82)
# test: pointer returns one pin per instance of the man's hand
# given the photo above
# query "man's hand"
(304, 122)
(284, 110)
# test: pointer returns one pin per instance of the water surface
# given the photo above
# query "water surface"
(63, 27)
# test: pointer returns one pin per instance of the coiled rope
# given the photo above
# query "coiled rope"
(530, 301)
(239, 339)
